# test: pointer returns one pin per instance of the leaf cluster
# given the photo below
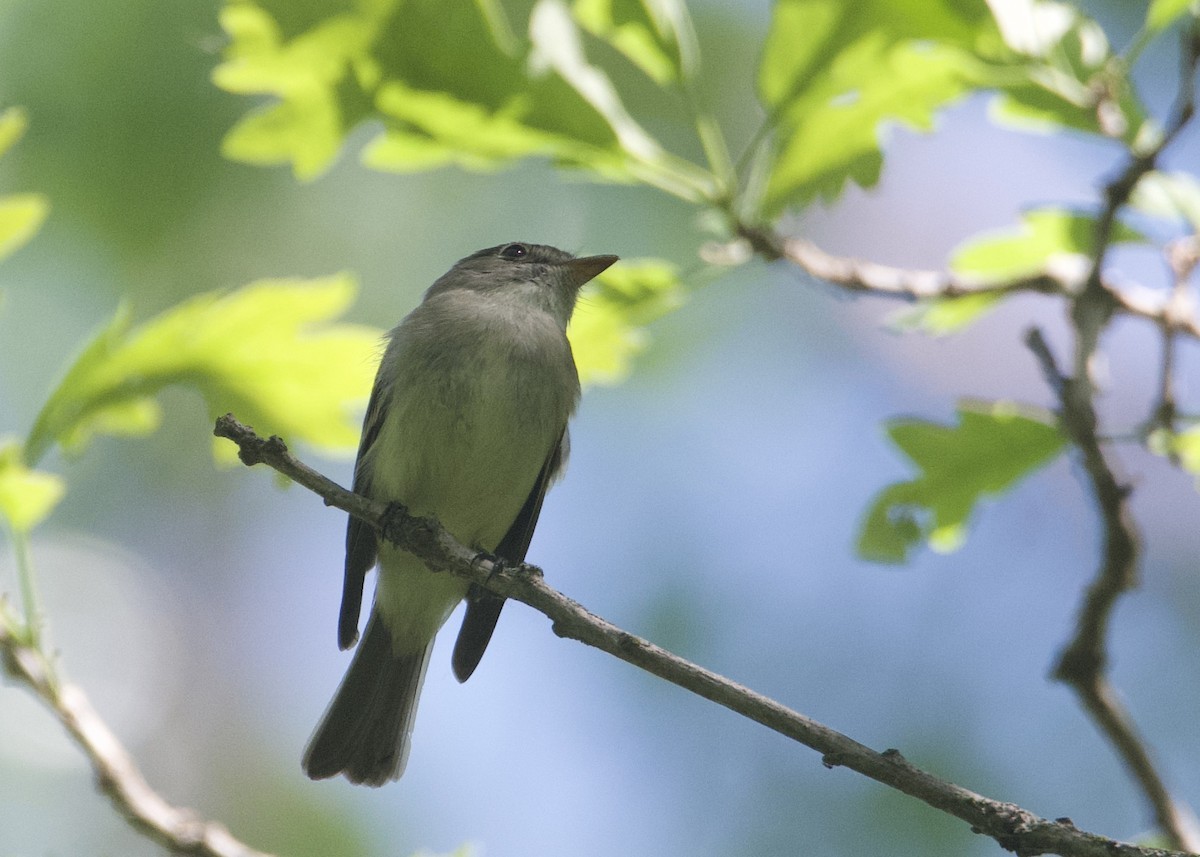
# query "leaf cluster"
(480, 86)
(483, 85)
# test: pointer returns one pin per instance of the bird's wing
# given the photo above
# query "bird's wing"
(361, 546)
(483, 607)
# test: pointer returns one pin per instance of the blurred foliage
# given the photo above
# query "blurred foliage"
(832, 78)
(608, 327)
(941, 316)
(21, 215)
(1044, 239)
(992, 447)
(451, 86)
(481, 86)
(26, 496)
(264, 351)
(1173, 196)
(833, 71)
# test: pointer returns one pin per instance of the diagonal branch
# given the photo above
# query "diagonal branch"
(179, 830)
(1014, 828)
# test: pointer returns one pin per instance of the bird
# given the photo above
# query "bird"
(467, 422)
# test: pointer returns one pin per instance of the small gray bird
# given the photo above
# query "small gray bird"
(468, 423)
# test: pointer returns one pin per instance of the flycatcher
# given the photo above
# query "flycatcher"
(467, 422)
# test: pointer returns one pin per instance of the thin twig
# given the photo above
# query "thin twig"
(1083, 662)
(857, 275)
(1166, 408)
(176, 829)
(1095, 305)
(870, 278)
(1014, 828)
(1182, 256)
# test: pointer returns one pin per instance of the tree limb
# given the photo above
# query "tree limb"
(176, 829)
(860, 276)
(1014, 828)
(1083, 662)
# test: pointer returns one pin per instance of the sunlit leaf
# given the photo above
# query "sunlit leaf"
(306, 126)
(13, 122)
(1183, 447)
(942, 316)
(1173, 195)
(986, 453)
(557, 47)
(1067, 61)
(21, 215)
(267, 352)
(607, 330)
(655, 35)
(435, 128)
(1037, 27)
(1163, 13)
(832, 73)
(26, 496)
(450, 83)
(1046, 238)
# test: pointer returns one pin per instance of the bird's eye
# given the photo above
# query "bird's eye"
(515, 251)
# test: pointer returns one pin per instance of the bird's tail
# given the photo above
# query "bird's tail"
(366, 730)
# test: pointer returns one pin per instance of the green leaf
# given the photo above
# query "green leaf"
(1183, 446)
(654, 35)
(306, 126)
(557, 47)
(992, 447)
(21, 215)
(833, 73)
(13, 122)
(1036, 28)
(26, 496)
(449, 82)
(1047, 237)
(607, 330)
(432, 129)
(1174, 195)
(266, 352)
(1161, 14)
(942, 316)
(1062, 62)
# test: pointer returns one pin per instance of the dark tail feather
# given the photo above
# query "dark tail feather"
(483, 610)
(366, 730)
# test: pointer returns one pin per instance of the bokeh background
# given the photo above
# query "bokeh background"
(711, 503)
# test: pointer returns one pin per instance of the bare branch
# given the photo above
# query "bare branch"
(1014, 828)
(1083, 663)
(869, 278)
(857, 275)
(1182, 256)
(176, 829)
